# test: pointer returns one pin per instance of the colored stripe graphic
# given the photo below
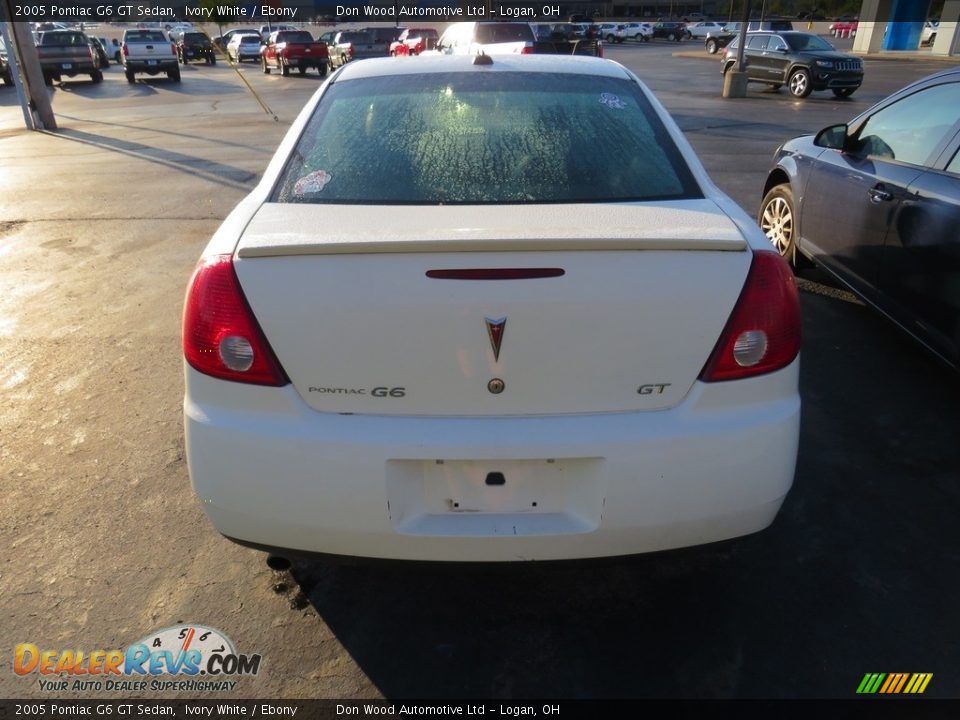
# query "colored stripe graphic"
(875, 685)
(894, 683)
(922, 685)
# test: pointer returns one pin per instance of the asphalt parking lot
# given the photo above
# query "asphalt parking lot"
(100, 226)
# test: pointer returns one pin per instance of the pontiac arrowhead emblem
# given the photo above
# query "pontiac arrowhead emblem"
(495, 332)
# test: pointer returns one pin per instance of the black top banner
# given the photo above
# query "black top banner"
(200, 11)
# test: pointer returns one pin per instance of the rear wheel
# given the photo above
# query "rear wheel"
(284, 68)
(777, 219)
(843, 92)
(712, 46)
(322, 70)
(800, 83)
(96, 76)
(611, 37)
(213, 60)
(131, 78)
(671, 37)
(174, 75)
(266, 68)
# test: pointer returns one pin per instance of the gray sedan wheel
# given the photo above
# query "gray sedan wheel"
(777, 219)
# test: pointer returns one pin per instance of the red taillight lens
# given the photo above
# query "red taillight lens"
(527, 50)
(221, 337)
(126, 50)
(763, 332)
(173, 48)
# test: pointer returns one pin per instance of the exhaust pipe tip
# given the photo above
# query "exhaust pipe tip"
(278, 563)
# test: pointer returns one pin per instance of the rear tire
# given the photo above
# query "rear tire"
(174, 75)
(671, 37)
(131, 77)
(712, 46)
(611, 38)
(265, 67)
(213, 60)
(843, 92)
(96, 76)
(777, 219)
(284, 68)
(322, 70)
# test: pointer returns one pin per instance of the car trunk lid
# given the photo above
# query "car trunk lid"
(365, 318)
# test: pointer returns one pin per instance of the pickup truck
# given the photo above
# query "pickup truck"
(285, 49)
(375, 42)
(149, 51)
(506, 38)
(67, 52)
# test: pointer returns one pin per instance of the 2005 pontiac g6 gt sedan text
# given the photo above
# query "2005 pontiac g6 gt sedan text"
(445, 327)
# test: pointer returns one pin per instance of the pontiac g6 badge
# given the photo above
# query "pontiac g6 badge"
(495, 332)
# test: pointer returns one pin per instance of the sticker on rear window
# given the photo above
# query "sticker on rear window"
(612, 101)
(312, 183)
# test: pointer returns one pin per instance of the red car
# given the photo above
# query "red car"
(286, 49)
(842, 28)
(413, 41)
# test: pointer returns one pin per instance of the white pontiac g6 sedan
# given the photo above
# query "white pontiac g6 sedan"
(445, 326)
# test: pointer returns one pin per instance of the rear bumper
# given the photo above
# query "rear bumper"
(70, 69)
(270, 471)
(307, 62)
(157, 66)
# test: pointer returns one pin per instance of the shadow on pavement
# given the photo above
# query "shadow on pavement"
(206, 169)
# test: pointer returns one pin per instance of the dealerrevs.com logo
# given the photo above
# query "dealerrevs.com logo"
(201, 658)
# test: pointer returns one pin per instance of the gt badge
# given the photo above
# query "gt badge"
(495, 332)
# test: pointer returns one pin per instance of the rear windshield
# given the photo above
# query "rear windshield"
(354, 37)
(484, 138)
(300, 36)
(63, 38)
(503, 32)
(249, 39)
(194, 37)
(144, 36)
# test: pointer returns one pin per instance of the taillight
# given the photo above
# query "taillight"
(126, 50)
(763, 332)
(221, 337)
(173, 48)
(527, 50)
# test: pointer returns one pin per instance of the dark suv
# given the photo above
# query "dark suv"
(802, 61)
(195, 46)
(718, 40)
